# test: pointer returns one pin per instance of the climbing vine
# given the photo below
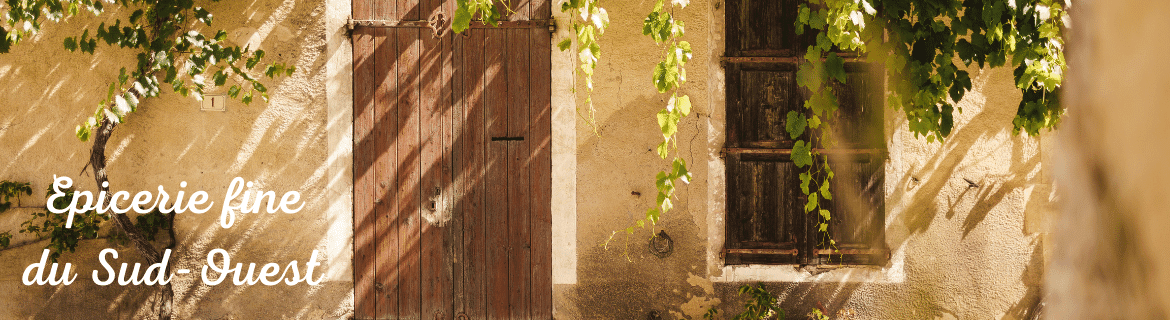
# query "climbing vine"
(589, 21)
(669, 75)
(837, 27)
(926, 38)
(919, 43)
(172, 51)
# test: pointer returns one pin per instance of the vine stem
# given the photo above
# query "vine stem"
(97, 161)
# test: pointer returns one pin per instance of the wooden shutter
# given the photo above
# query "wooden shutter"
(766, 222)
(858, 205)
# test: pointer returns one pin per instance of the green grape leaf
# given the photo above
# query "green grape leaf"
(653, 215)
(817, 20)
(801, 154)
(947, 121)
(825, 190)
(802, 17)
(70, 43)
(203, 15)
(683, 103)
(668, 122)
(462, 19)
(812, 202)
(809, 76)
(82, 133)
(680, 170)
(835, 67)
(795, 124)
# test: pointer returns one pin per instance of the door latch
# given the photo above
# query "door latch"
(507, 138)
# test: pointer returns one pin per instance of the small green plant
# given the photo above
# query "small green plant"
(817, 314)
(50, 225)
(762, 304)
(9, 192)
(711, 313)
(44, 224)
(148, 224)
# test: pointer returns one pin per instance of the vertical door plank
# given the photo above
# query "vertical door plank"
(386, 133)
(732, 21)
(363, 184)
(362, 9)
(405, 9)
(430, 110)
(496, 125)
(428, 9)
(521, 11)
(735, 103)
(409, 195)
(475, 236)
(382, 9)
(541, 170)
(448, 8)
(453, 119)
(519, 160)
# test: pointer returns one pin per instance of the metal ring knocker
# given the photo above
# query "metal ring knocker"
(661, 245)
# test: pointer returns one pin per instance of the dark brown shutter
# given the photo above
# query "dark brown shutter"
(766, 222)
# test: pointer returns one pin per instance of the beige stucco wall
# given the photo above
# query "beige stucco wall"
(957, 252)
(299, 141)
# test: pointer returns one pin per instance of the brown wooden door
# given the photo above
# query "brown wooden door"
(452, 164)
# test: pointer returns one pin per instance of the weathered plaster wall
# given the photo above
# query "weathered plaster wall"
(299, 141)
(615, 171)
(958, 252)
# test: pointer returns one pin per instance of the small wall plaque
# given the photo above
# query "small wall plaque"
(214, 102)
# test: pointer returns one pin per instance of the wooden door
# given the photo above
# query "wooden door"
(452, 163)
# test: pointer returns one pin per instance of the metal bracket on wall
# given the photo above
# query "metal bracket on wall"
(724, 61)
(522, 24)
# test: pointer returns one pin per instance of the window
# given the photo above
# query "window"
(766, 222)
